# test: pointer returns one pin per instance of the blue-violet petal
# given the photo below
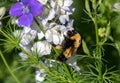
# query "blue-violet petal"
(16, 9)
(25, 20)
(25, 2)
(36, 7)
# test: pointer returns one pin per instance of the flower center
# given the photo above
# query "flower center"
(25, 9)
(60, 3)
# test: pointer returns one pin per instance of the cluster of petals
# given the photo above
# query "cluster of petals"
(25, 11)
(58, 10)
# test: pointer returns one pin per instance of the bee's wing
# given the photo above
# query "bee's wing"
(72, 59)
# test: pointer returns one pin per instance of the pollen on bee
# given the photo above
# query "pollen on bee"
(58, 47)
(76, 37)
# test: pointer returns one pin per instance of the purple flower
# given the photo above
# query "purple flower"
(26, 10)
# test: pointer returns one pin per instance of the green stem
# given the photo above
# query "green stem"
(98, 52)
(97, 37)
(40, 26)
(100, 78)
(5, 17)
(5, 62)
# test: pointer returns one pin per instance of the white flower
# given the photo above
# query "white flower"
(47, 14)
(52, 3)
(68, 3)
(64, 4)
(64, 18)
(26, 29)
(63, 9)
(40, 35)
(70, 23)
(24, 41)
(49, 62)
(74, 65)
(40, 76)
(54, 34)
(48, 35)
(116, 7)
(27, 37)
(43, 1)
(60, 2)
(23, 56)
(72, 61)
(2, 11)
(27, 48)
(14, 20)
(51, 15)
(57, 10)
(42, 48)
(17, 33)
(44, 23)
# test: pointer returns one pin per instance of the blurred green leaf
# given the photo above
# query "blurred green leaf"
(85, 48)
(87, 5)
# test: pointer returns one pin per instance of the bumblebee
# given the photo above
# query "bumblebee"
(70, 45)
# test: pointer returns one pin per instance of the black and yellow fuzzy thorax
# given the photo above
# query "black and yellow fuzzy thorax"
(70, 45)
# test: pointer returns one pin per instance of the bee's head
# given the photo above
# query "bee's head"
(71, 33)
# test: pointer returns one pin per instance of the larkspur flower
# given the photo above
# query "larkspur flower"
(116, 7)
(49, 62)
(63, 9)
(40, 35)
(42, 48)
(23, 56)
(2, 13)
(28, 37)
(40, 76)
(25, 11)
(54, 33)
(43, 1)
(17, 34)
(74, 66)
(26, 48)
(56, 10)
